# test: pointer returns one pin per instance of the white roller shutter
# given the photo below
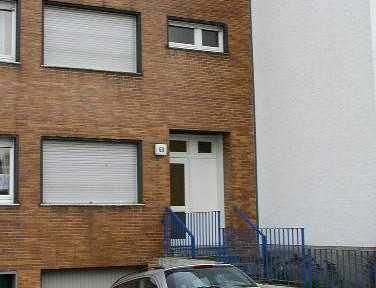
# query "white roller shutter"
(79, 38)
(89, 172)
(82, 278)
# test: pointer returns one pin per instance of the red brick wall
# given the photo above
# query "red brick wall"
(178, 90)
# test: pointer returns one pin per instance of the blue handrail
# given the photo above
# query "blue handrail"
(263, 238)
(246, 220)
(177, 221)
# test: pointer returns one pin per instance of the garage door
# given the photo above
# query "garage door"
(82, 278)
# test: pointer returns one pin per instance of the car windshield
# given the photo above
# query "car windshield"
(207, 277)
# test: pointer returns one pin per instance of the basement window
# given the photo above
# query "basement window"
(196, 36)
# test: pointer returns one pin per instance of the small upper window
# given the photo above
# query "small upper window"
(195, 36)
(8, 31)
(6, 171)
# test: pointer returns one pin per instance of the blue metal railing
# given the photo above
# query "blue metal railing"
(285, 254)
(194, 233)
(260, 238)
(178, 240)
(340, 268)
(269, 254)
(206, 228)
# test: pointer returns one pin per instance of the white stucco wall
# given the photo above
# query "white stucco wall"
(316, 118)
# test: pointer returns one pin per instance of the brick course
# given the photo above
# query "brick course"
(178, 90)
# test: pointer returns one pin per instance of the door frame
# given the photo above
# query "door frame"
(192, 152)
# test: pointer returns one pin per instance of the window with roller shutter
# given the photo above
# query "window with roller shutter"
(76, 37)
(90, 172)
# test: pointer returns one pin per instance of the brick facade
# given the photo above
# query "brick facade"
(178, 90)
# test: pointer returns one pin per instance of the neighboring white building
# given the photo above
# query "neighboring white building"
(314, 64)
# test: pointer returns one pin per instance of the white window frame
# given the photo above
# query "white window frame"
(9, 199)
(198, 36)
(10, 6)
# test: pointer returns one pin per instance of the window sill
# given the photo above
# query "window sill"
(9, 206)
(12, 63)
(72, 69)
(225, 54)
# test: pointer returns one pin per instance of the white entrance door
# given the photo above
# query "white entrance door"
(196, 173)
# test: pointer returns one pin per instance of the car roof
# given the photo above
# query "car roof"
(149, 272)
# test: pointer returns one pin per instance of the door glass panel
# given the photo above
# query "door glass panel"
(204, 147)
(178, 146)
(177, 184)
(210, 38)
(4, 170)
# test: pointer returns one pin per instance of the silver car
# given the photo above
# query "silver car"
(192, 276)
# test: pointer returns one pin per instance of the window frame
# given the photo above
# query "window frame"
(11, 199)
(15, 10)
(15, 277)
(139, 168)
(198, 27)
(93, 8)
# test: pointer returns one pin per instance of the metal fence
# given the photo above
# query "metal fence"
(194, 234)
(178, 240)
(340, 268)
(267, 254)
(285, 253)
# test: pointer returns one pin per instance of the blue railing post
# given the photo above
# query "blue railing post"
(303, 258)
(265, 255)
(165, 237)
(309, 268)
(224, 250)
(193, 248)
(218, 240)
